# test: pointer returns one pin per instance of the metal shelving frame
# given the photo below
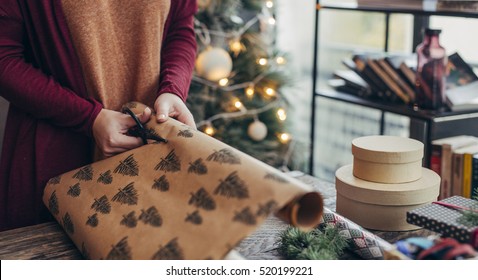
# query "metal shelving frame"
(425, 125)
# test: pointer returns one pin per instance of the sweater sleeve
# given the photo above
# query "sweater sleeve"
(178, 52)
(31, 90)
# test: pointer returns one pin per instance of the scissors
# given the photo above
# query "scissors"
(140, 131)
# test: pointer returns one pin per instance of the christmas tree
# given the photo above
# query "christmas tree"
(235, 95)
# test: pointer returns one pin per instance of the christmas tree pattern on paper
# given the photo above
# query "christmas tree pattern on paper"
(185, 133)
(128, 167)
(202, 199)
(105, 178)
(172, 251)
(120, 251)
(161, 184)
(84, 174)
(92, 220)
(266, 209)
(53, 203)
(224, 156)
(55, 180)
(194, 218)
(102, 205)
(169, 164)
(129, 220)
(74, 191)
(245, 217)
(276, 177)
(68, 224)
(126, 195)
(197, 167)
(232, 186)
(151, 217)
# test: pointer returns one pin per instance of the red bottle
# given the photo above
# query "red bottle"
(431, 76)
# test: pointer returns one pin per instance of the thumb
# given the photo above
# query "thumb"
(162, 113)
(145, 116)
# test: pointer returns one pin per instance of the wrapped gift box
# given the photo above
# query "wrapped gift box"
(444, 220)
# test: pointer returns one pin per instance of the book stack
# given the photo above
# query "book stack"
(391, 78)
(455, 159)
(381, 77)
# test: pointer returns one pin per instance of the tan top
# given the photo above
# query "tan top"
(118, 43)
(387, 149)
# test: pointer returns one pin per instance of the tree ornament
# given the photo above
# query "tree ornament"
(257, 130)
(214, 64)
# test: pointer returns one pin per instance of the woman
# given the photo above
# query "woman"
(66, 67)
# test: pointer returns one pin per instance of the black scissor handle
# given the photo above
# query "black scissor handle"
(140, 130)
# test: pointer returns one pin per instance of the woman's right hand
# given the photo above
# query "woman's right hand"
(110, 128)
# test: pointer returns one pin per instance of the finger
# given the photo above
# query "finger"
(145, 116)
(162, 112)
(125, 143)
(126, 121)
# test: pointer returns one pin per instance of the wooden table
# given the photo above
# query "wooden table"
(48, 240)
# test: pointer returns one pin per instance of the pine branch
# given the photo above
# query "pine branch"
(470, 217)
(314, 245)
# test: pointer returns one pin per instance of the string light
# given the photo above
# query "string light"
(262, 61)
(209, 130)
(269, 4)
(281, 114)
(236, 46)
(270, 91)
(280, 60)
(250, 91)
(223, 82)
(284, 138)
(238, 104)
(271, 21)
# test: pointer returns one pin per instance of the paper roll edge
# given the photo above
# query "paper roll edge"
(304, 211)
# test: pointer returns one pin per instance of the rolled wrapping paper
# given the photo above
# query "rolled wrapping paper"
(360, 241)
(193, 197)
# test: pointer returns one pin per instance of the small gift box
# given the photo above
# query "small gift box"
(444, 217)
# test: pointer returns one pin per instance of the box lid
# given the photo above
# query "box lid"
(425, 189)
(387, 149)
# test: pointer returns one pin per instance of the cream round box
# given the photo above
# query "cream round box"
(383, 206)
(387, 159)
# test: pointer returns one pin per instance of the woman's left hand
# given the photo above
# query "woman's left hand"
(170, 105)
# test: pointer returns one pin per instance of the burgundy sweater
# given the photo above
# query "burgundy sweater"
(49, 124)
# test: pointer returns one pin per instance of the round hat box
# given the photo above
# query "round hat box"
(383, 206)
(387, 159)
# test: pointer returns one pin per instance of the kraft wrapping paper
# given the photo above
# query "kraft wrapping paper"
(193, 197)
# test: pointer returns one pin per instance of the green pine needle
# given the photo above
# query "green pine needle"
(314, 245)
(470, 217)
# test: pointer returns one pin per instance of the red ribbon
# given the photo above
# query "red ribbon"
(453, 206)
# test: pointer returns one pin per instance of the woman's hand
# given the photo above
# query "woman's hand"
(109, 131)
(170, 105)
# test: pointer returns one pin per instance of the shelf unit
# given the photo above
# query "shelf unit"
(425, 125)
